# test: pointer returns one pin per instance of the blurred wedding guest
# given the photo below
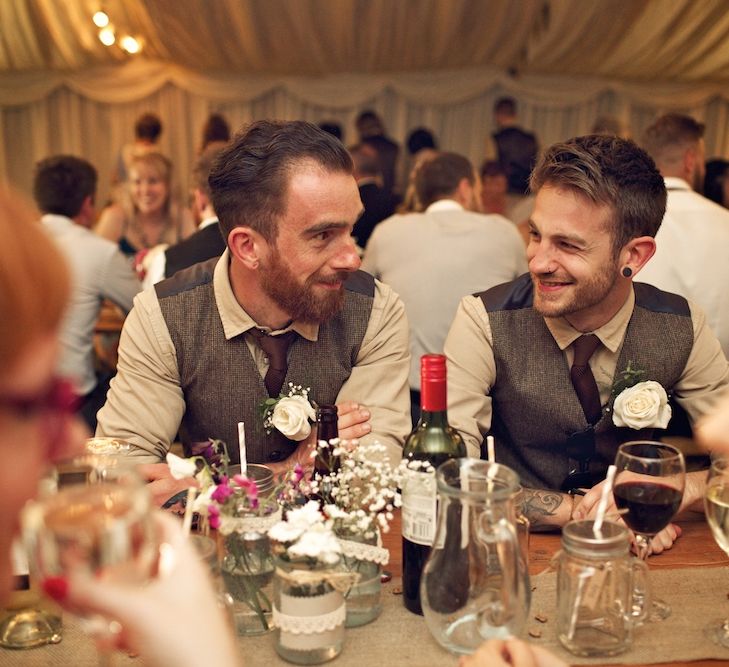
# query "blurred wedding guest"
(515, 148)
(36, 410)
(378, 205)
(64, 188)
(691, 254)
(493, 188)
(716, 182)
(215, 130)
(285, 305)
(371, 130)
(146, 215)
(147, 131)
(410, 202)
(510, 653)
(434, 258)
(420, 138)
(208, 240)
(334, 128)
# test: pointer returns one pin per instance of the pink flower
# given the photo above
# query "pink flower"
(214, 516)
(222, 491)
(251, 489)
(298, 473)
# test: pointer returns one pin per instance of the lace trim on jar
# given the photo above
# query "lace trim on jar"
(309, 625)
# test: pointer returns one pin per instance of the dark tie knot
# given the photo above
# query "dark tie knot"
(584, 347)
(276, 349)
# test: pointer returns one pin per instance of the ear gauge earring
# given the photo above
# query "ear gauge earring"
(627, 271)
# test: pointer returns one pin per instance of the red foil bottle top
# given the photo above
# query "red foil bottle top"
(433, 383)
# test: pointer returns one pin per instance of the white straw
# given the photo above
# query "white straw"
(242, 448)
(490, 456)
(187, 520)
(607, 489)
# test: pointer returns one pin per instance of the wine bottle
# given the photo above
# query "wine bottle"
(326, 429)
(434, 441)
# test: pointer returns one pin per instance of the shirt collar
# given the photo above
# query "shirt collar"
(444, 205)
(611, 334)
(674, 183)
(234, 318)
(57, 220)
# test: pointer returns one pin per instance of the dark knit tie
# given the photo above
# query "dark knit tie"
(582, 378)
(276, 348)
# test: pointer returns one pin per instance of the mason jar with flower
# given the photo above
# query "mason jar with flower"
(359, 497)
(309, 587)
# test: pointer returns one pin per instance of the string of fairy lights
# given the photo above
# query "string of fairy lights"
(108, 34)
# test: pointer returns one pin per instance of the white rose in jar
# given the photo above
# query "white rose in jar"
(644, 405)
(291, 416)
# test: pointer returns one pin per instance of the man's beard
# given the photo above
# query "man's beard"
(301, 302)
(583, 294)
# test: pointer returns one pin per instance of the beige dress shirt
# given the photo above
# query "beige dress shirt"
(472, 371)
(145, 404)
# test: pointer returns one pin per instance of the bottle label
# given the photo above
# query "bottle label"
(419, 508)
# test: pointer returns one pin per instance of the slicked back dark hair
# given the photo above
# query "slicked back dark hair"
(61, 183)
(249, 180)
(608, 171)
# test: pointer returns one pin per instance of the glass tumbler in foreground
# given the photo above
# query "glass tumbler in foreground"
(96, 522)
(475, 584)
(716, 504)
(649, 483)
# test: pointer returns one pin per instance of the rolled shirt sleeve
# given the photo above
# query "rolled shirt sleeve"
(379, 378)
(145, 403)
(471, 373)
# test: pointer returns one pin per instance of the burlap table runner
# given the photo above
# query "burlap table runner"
(697, 595)
(398, 637)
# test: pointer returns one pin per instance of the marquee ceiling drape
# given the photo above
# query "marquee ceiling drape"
(439, 63)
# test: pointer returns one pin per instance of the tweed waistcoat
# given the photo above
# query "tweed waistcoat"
(536, 413)
(219, 378)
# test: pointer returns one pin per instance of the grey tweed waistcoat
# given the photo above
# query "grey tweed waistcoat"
(220, 381)
(536, 413)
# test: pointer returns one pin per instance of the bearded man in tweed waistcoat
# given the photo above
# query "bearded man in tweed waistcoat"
(599, 203)
(201, 352)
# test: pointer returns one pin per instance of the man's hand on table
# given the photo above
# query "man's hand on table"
(586, 508)
(162, 485)
(514, 652)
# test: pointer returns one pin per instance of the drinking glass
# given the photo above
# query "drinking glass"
(649, 484)
(716, 504)
(92, 519)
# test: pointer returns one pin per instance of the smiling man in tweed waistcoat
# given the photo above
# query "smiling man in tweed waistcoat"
(514, 370)
(192, 354)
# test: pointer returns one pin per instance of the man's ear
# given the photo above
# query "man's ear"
(690, 158)
(637, 252)
(247, 246)
(87, 213)
(464, 193)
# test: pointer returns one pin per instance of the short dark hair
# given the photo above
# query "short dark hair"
(505, 105)
(439, 177)
(249, 179)
(369, 124)
(608, 171)
(420, 138)
(62, 183)
(670, 135)
(148, 126)
(216, 128)
(491, 168)
(203, 165)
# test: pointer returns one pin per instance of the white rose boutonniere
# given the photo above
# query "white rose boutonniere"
(290, 414)
(644, 405)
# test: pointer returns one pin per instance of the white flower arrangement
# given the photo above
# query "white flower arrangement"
(292, 414)
(644, 405)
(306, 533)
(361, 494)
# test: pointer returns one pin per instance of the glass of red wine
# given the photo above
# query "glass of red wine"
(649, 484)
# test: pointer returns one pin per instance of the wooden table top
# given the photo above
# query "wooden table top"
(695, 548)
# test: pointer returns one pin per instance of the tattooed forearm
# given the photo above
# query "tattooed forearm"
(539, 505)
